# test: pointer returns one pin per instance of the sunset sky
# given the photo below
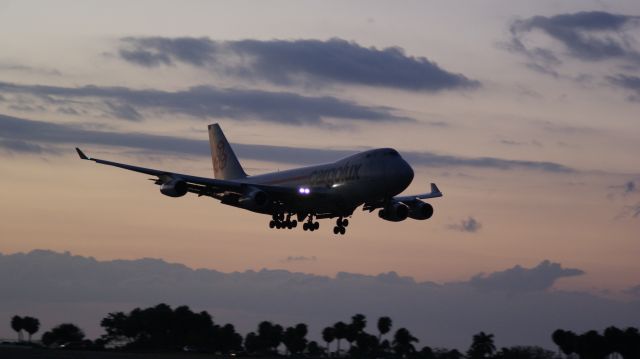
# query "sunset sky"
(525, 113)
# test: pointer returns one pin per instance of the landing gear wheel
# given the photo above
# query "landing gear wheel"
(305, 226)
(272, 224)
(294, 223)
(342, 230)
(316, 225)
(336, 230)
(345, 222)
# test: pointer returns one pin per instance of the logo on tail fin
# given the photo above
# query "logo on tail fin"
(220, 161)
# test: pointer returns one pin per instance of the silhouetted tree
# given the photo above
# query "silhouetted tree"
(426, 353)
(340, 331)
(384, 326)
(17, 325)
(30, 325)
(591, 345)
(403, 343)
(367, 346)
(294, 339)
(252, 343)
(525, 352)
(355, 328)
(266, 340)
(61, 334)
(161, 328)
(624, 342)
(481, 347)
(442, 353)
(314, 350)
(328, 335)
(227, 339)
(565, 340)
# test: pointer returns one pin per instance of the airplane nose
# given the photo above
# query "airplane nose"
(407, 173)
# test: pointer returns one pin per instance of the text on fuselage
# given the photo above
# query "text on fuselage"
(330, 176)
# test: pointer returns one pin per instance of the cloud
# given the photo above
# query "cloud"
(634, 210)
(587, 36)
(19, 146)
(287, 62)
(469, 225)
(60, 287)
(625, 189)
(634, 291)
(627, 82)
(293, 259)
(519, 279)
(73, 135)
(29, 69)
(208, 102)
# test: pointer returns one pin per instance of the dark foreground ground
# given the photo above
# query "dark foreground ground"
(34, 353)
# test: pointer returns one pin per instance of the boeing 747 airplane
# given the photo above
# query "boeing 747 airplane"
(372, 178)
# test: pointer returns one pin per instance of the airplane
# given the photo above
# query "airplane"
(372, 179)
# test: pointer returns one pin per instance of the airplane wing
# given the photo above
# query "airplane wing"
(164, 176)
(435, 192)
(203, 186)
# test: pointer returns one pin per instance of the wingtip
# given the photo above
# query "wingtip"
(81, 154)
(435, 189)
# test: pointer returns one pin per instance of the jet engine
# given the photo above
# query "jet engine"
(254, 199)
(394, 212)
(420, 210)
(174, 188)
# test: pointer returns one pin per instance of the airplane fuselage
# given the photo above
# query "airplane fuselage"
(343, 185)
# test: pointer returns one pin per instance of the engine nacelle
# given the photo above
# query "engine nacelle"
(420, 210)
(254, 199)
(174, 188)
(394, 212)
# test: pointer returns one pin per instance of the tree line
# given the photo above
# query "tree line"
(162, 328)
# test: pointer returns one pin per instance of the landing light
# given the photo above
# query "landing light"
(304, 190)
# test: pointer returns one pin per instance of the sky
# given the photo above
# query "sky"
(524, 113)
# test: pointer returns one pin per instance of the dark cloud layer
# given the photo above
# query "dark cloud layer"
(288, 62)
(628, 82)
(519, 279)
(38, 132)
(581, 34)
(586, 36)
(206, 102)
(60, 287)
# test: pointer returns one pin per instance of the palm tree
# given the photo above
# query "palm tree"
(481, 347)
(403, 343)
(328, 335)
(359, 322)
(30, 325)
(384, 326)
(340, 331)
(17, 324)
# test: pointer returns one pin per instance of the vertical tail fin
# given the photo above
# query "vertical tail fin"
(225, 162)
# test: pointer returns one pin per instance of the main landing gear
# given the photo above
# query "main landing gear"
(279, 221)
(341, 226)
(310, 225)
